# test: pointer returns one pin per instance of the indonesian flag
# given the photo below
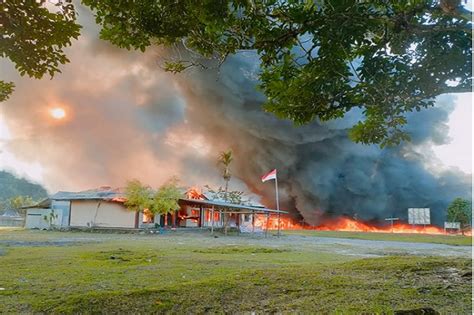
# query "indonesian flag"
(270, 175)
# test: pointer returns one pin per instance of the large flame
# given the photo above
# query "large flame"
(346, 224)
(351, 225)
(343, 224)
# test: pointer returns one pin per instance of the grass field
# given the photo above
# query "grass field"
(412, 238)
(72, 272)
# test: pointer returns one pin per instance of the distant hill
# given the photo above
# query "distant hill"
(12, 186)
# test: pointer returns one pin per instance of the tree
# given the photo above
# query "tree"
(138, 196)
(233, 196)
(460, 211)
(18, 202)
(319, 59)
(50, 219)
(165, 199)
(34, 35)
(225, 158)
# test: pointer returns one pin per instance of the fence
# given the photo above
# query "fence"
(12, 221)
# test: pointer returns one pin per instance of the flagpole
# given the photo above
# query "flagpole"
(278, 203)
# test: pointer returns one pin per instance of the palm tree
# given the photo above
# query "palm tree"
(225, 158)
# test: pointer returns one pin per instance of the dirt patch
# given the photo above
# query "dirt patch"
(121, 256)
(241, 250)
(9, 243)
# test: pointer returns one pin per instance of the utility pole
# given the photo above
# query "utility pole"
(277, 204)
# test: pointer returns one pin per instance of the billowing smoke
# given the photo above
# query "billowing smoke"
(320, 170)
(126, 119)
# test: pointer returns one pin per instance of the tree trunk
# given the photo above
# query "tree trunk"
(226, 215)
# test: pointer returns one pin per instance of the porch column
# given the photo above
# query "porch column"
(212, 220)
(266, 228)
(200, 217)
(253, 222)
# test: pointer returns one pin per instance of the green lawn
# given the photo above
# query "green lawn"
(414, 238)
(66, 272)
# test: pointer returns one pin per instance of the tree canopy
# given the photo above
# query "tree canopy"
(138, 195)
(34, 35)
(460, 211)
(319, 59)
(161, 201)
(165, 199)
(225, 159)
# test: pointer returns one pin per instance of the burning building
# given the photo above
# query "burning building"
(105, 208)
(124, 118)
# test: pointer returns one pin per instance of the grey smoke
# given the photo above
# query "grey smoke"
(320, 170)
(129, 119)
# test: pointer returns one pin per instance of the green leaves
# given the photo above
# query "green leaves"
(163, 200)
(20, 201)
(460, 211)
(33, 37)
(225, 159)
(373, 130)
(138, 196)
(6, 88)
(175, 67)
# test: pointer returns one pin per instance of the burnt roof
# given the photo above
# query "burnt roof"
(224, 206)
(118, 194)
(102, 193)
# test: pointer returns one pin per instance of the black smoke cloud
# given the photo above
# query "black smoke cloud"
(321, 172)
(128, 119)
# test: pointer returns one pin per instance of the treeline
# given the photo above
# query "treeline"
(16, 192)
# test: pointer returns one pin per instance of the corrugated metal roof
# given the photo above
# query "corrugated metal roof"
(43, 204)
(231, 205)
(107, 193)
(102, 193)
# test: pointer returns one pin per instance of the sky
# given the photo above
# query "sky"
(458, 153)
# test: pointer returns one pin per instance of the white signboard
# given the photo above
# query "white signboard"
(452, 225)
(419, 216)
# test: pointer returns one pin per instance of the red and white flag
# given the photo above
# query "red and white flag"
(269, 175)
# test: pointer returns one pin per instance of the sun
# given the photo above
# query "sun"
(57, 113)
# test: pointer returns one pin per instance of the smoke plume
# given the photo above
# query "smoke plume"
(126, 118)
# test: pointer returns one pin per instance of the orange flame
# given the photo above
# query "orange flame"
(351, 225)
(271, 222)
(345, 224)
(194, 193)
